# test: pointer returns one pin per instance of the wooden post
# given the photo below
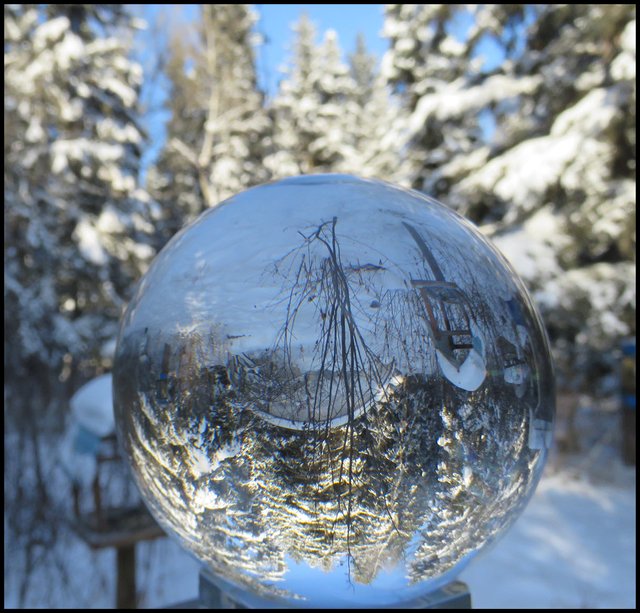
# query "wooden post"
(75, 490)
(126, 577)
(97, 501)
(628, 397)
(120, 528)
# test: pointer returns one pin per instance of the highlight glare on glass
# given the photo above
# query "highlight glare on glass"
(333, 392)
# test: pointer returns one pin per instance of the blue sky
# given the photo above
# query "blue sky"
(274, 25)
(346, 19)
(275, 21)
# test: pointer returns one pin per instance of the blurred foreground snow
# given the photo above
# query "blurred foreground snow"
(574, 547)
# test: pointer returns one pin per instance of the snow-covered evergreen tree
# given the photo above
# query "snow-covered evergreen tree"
(558, 188)
(219, 131)
(313, 108)
(436, 69)
(77, 224)
(429, 68)
(174, 179)
(376, 118)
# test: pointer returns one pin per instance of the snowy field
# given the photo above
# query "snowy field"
(574, 547)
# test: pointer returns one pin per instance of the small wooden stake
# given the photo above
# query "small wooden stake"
(126, 577)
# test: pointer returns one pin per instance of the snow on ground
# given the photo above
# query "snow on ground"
(573, 547)
(92, 406)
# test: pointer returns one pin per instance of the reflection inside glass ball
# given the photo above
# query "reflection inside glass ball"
(333, 391)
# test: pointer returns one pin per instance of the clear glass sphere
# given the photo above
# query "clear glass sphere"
(333, 391)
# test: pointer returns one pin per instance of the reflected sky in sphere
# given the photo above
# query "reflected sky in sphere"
(333, 392)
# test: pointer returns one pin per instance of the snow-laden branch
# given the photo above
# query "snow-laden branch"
(179, 147)
(457, 98)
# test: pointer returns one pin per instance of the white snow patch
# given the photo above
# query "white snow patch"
(50, 31)
(89, 245)
(532, 249)
(469, 375)
(623, 67)
(457, 98)
(120, 89)
(199, 463)
(34, 132)
(590, 116)
(78, 149)
(109, 129)
(143, 252)
(92, 406)
(70, 49)
(573, 547)
(572, 155)
(228, 451)
(109, 221)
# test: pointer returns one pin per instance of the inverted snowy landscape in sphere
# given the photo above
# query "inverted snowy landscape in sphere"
(333, 392)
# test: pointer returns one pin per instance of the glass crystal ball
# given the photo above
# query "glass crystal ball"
(334, 392)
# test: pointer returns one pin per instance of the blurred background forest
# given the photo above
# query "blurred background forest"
(535, 143)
